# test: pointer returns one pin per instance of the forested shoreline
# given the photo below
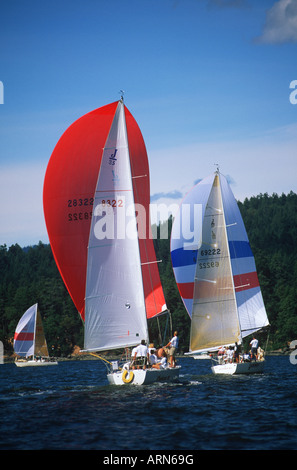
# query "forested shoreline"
(29, 275)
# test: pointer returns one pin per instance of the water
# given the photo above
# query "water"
(71, 406)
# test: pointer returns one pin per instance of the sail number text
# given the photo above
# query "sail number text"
(112, 203)
(83, 202)
(87, 201)
(211, 252)
(80, 203)
(209, 264)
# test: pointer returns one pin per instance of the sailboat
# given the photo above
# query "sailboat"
(216, 274)
(96, 204)
(29, 340)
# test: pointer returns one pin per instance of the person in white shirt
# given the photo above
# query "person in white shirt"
(161, 364)
(230, 353)
(153, 358)
(254, 346)
(141, 355)
(172, 345)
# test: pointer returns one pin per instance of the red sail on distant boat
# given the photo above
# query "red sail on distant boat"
(75, 196)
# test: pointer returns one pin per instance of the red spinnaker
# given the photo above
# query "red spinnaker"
(68, 195)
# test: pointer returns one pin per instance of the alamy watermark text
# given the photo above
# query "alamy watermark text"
(1, 93)
(119, 220)
(293, 94)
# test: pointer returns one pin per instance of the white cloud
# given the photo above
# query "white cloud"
(170, 195)
(281, 23)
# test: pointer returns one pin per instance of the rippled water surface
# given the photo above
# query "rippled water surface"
(71, 406)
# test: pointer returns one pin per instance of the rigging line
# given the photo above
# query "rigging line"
(159, 331)
(245, 295)
(165, 331)
(144, 240)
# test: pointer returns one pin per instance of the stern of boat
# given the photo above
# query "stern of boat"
(255, 367)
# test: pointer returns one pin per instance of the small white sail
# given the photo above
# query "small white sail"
(24, 334)
(29, 339)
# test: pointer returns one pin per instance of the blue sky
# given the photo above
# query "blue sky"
(207, 81)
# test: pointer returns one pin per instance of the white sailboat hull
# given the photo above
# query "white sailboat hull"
(240, 368)
(201, 356)
(143, 377)
(35, 363)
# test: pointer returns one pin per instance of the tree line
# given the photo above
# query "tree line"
(29, 275)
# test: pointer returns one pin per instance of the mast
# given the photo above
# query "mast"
(142, 286)
(34, 335)
(228, 248)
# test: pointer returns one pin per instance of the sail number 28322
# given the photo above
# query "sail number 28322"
(82, 213)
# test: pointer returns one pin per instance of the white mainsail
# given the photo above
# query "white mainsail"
(115, 315)
(214, 313)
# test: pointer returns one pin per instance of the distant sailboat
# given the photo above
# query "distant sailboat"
(96, 204)
(216, 273)
(29, 340)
